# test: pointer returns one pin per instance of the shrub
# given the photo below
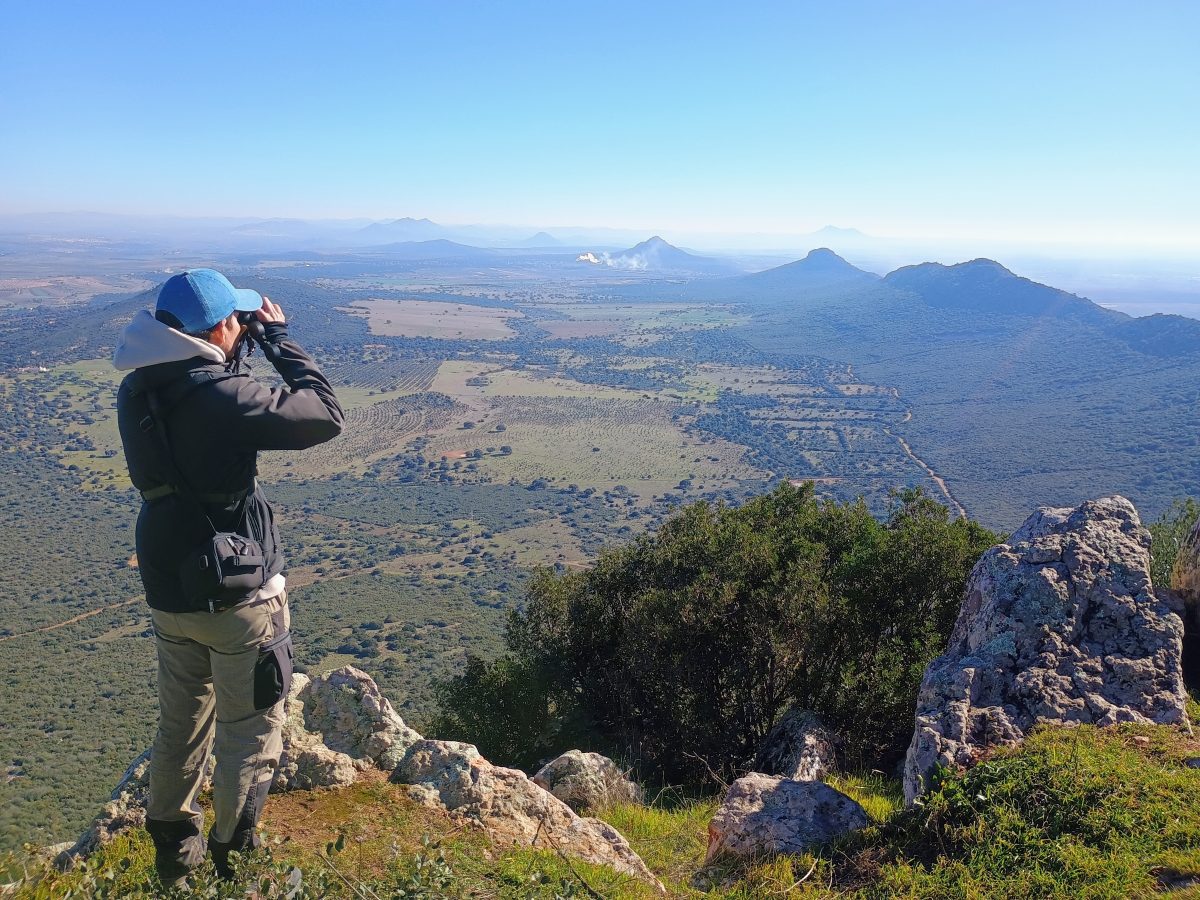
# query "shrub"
(682, 648)
(1166, 537)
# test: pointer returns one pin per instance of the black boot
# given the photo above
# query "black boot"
(244, 839)
(178, 848)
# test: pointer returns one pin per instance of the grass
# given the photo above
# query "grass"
(1074, 813)
(435, 319)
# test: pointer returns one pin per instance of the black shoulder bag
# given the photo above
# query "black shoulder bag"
(229, 567)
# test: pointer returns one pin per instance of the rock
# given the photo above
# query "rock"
(587, 781)
(510, 808)
(1061, 625)
(769, 814)
(798, 747)
(347, 709)
(126, 809)
(307, 762)
(338, 725)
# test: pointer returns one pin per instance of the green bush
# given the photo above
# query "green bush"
(682, 648)
(1166, 537)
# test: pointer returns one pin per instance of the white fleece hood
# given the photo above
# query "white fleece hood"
(148, 342)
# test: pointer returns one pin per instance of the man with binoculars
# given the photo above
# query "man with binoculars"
(192, 421)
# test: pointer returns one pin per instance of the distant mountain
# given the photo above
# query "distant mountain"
(406, 229)
(656, 255)
(983, 285)
(820, 268)
(436, 249)
(1161, 335)
(834, 233)
(541, 239)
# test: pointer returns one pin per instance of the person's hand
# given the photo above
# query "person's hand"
(270, 312)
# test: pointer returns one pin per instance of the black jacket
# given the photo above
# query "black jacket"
(216, 422)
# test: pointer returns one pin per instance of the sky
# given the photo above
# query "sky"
(1055, 121)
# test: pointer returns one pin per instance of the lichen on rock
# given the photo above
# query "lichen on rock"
(799, 746)
(1060, 625)
(587, 781)
(763, 814)
(510, 808)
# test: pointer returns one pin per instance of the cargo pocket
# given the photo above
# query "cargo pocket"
(273, 671)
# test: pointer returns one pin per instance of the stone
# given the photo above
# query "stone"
(1060, 625)
(587, 781)
(768, 814)
(798, 747)
(306, 762)
(510, 808)
(350, 713)
(338, 726)
(125, 810)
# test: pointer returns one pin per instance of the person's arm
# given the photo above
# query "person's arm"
(303, 414)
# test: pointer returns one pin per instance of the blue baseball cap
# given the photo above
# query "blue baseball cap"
(200, 298)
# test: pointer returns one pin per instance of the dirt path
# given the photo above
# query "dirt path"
(71, 621)
(934, 476)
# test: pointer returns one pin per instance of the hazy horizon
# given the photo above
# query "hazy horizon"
(1014, 123)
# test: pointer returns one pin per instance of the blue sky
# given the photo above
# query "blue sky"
(1054, 120)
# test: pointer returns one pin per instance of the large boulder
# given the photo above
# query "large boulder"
(769, 814)
(587, 781)
(306, 761)
(798, 747)
(510, 808)
(353, 717)
(1059, 625)
(338, 726)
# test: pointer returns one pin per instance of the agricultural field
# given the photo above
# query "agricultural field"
(360, 376)
(582, 320)
(46, 291)
(435, 319)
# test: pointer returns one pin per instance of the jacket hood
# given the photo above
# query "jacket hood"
(148, 342)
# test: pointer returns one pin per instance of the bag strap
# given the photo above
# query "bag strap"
(156, 421)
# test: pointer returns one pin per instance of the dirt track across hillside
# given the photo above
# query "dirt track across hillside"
(933, 476)
(71, 621)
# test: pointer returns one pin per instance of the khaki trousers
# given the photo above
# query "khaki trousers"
(222, 680)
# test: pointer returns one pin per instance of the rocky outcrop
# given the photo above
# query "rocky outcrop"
(125, 809)
(767, 814)
(798, 747)
(307, 762)
(510, 808)
(1059, 625)
(587, 781)
(338, 726)
(349, 711)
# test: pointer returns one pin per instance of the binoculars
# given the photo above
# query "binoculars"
(254, 327)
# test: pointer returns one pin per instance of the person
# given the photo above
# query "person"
(223, 672)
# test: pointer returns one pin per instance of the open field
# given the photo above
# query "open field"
(477, 383)
(602, 319)
(595, 443)
(80, 399)
(49, 291)
(432, 318)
